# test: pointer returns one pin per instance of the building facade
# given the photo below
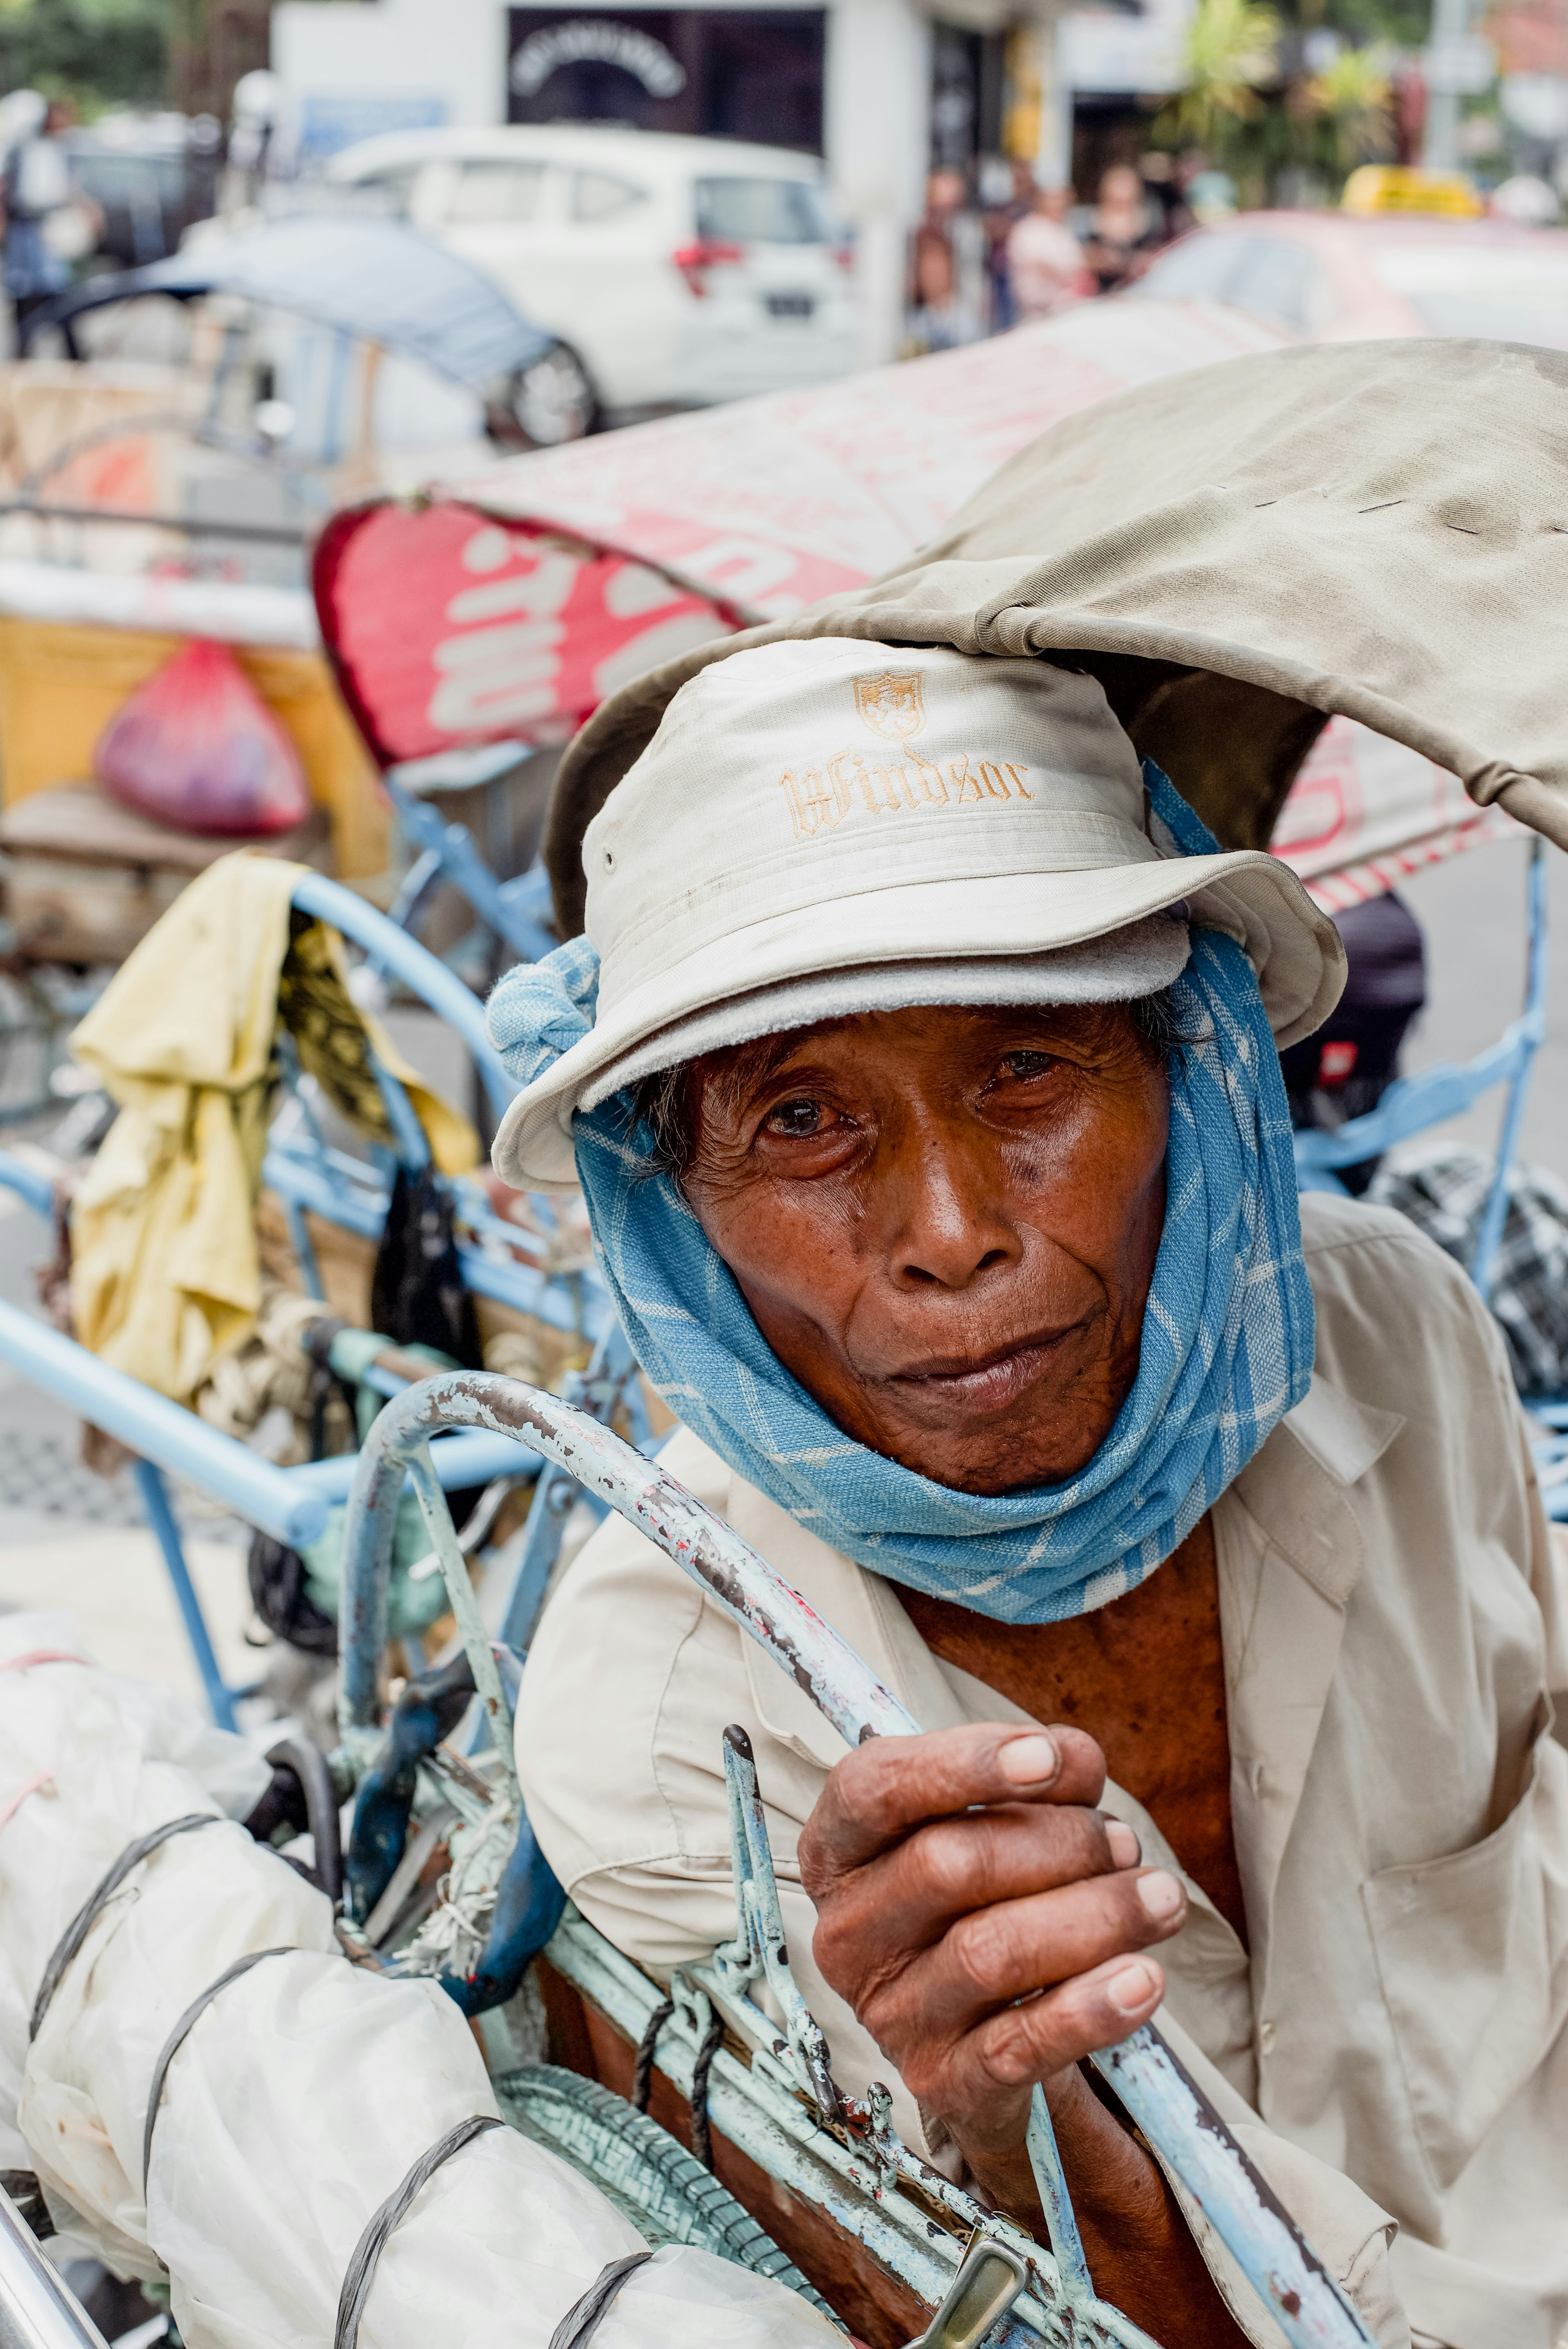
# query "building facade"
(884, 90)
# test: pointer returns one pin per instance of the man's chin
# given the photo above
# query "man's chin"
(991, 1458)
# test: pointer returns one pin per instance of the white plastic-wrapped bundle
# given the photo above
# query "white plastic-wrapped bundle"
(113, 1754)
(300, 2099)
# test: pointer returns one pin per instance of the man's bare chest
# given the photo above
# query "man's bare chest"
(1146, 1677)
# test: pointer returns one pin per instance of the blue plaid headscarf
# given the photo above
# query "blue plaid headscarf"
(1227, 1345)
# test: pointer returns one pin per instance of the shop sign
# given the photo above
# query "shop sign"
(599, 40)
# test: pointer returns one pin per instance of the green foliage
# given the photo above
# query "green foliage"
(1355, 99)
(99, 52)
(1229, 51)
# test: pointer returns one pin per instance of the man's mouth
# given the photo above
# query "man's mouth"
(987, 1381)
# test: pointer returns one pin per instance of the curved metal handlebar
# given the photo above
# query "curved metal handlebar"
(1166, 2102)
(795, 1636)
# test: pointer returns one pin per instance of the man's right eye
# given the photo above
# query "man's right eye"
(795, 1120)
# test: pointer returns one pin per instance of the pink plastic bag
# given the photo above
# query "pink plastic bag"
(196, 747)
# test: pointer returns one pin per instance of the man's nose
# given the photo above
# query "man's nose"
(943, 1201)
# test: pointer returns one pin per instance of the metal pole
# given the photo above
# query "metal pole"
(38, 2310)
(1439, 143)
(160, 1517)
(149, 1423)
(1488, 1240)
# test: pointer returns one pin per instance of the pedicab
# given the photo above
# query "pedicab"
(1165, 584)
(505, 605)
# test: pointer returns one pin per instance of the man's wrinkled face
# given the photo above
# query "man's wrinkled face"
(944, 1223)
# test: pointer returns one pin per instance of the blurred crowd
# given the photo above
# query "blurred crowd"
(978, 267)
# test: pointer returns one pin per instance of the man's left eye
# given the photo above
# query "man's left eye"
(797, 1121)
(1028, 1064)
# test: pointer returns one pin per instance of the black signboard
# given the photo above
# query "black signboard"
(725, 73)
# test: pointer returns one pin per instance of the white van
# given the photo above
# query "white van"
(676, 271)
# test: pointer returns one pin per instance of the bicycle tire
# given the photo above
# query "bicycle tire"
(645, 2171)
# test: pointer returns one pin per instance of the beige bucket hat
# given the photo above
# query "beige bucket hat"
(828, 824)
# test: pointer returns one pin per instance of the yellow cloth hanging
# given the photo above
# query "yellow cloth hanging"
(165, 1272)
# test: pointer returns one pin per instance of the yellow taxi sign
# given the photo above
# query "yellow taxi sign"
(1398, 188)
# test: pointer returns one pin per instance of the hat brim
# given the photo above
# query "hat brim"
(1294, 947)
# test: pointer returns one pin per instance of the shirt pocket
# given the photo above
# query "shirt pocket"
(1472, 1958)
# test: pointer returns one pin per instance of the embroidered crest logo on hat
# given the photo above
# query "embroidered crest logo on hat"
(892, 707)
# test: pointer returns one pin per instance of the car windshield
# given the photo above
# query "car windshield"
(762, 212)
(1501, 293)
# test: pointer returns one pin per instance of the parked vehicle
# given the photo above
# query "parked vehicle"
(678, 272)
(1336, 278)
(151, 177)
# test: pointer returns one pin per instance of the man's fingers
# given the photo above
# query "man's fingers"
(984, 2070)
(878, 1793)
(907, 1900)
(999, 1955)
(1024, 2043)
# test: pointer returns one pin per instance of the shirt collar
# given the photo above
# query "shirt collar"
(1344, 1437)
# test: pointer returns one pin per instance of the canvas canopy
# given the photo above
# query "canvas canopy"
(509, 602)
(1377, 530)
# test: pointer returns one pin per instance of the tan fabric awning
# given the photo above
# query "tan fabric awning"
(1375, 529)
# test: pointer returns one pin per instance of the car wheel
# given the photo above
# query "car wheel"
(551, 402)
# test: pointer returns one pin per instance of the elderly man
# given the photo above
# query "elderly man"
(920, 1079)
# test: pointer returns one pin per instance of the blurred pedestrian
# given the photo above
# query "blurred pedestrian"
(1120, 232)
(1001, 217)
(1164, 190)
(1045, 264)
(1213, 196)
(38, 198)
(948, 306)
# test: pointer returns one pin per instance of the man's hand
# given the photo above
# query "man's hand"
(989, 1925)
(984, 1919)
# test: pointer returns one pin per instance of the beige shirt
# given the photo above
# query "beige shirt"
(1392, 2049)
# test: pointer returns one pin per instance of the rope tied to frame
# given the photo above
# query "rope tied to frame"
(71, 1941)
(701, 2126)
(643, 2071)
(643, 2076)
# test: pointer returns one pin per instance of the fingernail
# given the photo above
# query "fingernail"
(1030, 1761)
(1133, 1987)
(1161, 1894)
(1123, 1845)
